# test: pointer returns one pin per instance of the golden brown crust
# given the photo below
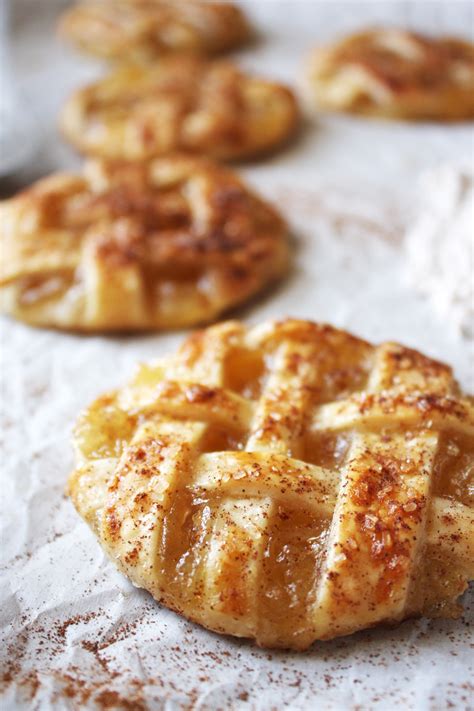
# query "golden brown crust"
(287, 482)
(182, 103)
(147, 29)
(395, 74)
(164, 244)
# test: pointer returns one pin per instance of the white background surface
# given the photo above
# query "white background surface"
(347, 188)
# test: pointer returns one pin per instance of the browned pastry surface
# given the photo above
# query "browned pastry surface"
(147, 29)
(395, 74)
(182, 103)
(287, 483)
(165, 244)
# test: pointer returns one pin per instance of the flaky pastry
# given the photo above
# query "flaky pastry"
(181, 103)
(286, 483)
(164, 244)
(395, 74)
(147, 29)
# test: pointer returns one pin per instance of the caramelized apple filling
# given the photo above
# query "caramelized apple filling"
(244, 372)
(454, 468)
(326, 450)
(114, 433)
(292, 559)
(216, 439)
(182, 525)
(440, 581)
(166, 287)
(37, 289)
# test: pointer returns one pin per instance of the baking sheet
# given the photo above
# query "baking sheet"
(77, 634)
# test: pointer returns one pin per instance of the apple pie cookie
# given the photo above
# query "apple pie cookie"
(147, 29)
(396, 74)
(287, 483)
(164, 244)
(181, 103)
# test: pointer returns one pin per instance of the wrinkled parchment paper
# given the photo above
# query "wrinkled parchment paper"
(77, 634)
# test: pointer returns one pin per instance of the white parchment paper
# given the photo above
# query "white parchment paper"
(76, 633)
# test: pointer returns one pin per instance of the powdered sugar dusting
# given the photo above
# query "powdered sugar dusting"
(440, 245)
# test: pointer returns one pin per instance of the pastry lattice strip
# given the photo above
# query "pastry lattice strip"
(199, 521)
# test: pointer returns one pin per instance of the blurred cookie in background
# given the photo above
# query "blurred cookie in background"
(165, 244)
(392, 73)
(180, 103)
(146, 29)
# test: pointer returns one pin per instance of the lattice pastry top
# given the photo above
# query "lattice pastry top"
(147, 29)
(287, 482)
(395, 74)
(181, 103)
(164, 244)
